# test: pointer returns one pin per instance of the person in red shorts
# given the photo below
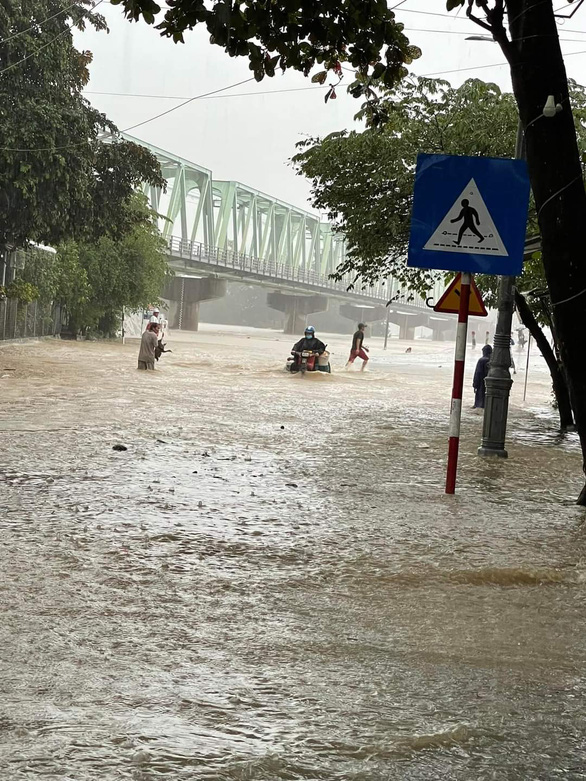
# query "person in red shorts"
(358, 349)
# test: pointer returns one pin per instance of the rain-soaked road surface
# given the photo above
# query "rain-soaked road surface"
(269, 583)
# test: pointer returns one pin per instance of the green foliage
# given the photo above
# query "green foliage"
(93, 281)
(293, 34)
(22, 291)
(74, 185)
(364, 181)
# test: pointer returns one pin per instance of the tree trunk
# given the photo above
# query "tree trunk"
(537, 70)
(560, 386)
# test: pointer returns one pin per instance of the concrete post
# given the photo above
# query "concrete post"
(387, 321)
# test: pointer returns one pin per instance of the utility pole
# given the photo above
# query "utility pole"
(498, 381)
(387, 327)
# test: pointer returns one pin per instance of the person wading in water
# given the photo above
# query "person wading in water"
(358, 350)
(148, 345)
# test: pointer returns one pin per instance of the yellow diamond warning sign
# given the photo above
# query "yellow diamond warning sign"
(450, 301)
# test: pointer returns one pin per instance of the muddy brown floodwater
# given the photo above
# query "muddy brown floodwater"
(269, 583)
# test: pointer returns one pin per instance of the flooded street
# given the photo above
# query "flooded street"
(269, 583)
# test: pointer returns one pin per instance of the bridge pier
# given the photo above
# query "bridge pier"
(439, 328)
(407, 322)
(368, 313)
(296, 308)
(185, 295)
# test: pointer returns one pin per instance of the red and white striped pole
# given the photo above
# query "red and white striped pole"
(456, 408)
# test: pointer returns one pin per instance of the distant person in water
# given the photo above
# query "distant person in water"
(479, 377)
(469, 216)
(473, 340)
(148, 345)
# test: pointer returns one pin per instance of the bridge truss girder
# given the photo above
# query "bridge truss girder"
(185, 209)
(231, 215)
(253, 223)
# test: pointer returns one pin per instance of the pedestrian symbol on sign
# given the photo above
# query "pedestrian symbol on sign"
(468, 215)
(467, 227)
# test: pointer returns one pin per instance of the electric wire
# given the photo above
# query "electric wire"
(211, 97)
(185, 103)
(215, 92)
(132, 127)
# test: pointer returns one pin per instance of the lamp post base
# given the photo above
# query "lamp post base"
(494, 429)
(487, 451)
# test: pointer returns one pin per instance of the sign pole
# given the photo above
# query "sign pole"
(458, 385)
(527, 368)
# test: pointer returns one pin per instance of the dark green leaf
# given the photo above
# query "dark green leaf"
(319, 78)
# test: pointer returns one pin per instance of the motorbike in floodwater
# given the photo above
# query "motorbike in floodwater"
(308, 361)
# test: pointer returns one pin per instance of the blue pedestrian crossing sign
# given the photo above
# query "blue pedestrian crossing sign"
(469, 214)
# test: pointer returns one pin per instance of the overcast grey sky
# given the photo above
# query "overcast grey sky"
(250, 138)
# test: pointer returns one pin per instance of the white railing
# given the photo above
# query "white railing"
(200, 253)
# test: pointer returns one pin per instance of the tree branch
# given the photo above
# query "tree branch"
(494, 22)
(560, 386)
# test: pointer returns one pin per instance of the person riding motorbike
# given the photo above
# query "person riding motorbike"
(309, 342)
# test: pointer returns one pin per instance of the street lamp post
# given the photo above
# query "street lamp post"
(499, 382)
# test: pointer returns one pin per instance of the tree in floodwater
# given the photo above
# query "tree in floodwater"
(365, 183)
(59, 179)
(93, 281)
(527, 33)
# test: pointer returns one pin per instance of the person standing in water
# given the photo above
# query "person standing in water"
(469, 215)
(148, 344)
(358, 349)
(479, 377)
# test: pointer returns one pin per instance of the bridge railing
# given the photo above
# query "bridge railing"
(213, 256)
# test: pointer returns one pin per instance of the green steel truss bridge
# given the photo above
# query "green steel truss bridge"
(227, 230)
(230, 228)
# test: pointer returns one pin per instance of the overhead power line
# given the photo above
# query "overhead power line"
(455, 18)
(132, 127)
(481, 67)
(185, 102)
(211, 97)
(462, 32)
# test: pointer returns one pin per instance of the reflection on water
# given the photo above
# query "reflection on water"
(269, 583)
